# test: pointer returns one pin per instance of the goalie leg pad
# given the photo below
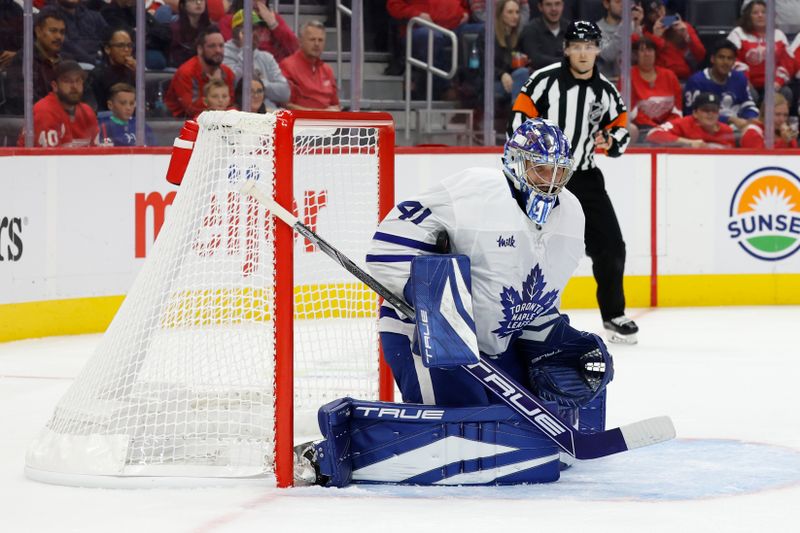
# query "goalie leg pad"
(379, 442)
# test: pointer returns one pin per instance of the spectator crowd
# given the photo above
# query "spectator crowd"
(685, 89)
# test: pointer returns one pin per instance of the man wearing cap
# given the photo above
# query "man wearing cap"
(701, 129)
(312, 82)
(60, 118)
(265, 67)
(184, 96)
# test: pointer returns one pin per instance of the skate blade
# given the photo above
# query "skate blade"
(618, 338)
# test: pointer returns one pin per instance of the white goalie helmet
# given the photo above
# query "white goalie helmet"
(537, 159)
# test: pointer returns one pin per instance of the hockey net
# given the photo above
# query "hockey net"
(236, 330)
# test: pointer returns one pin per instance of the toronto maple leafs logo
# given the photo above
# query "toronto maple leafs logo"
(520, 309)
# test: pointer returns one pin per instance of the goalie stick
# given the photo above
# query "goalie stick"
(578, 444)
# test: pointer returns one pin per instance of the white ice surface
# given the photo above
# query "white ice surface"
(727, 376)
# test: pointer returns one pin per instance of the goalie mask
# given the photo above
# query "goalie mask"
(537, 160)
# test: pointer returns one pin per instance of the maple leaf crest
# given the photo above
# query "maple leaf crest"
(519, 309)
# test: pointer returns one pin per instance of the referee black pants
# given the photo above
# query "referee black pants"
(603, 239)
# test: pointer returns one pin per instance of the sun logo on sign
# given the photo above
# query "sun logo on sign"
(764, 215)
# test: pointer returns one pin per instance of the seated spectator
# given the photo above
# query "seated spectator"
(184, 96)
(749, 37)
(610, 46)
(678, 47)
(257, 102)
(86, 29)
(312, 82)
(60, 118)
(158, 37)
(702, 129)
(542, 39)
(118, 124)
(477, 12)
(10, 31)
(737, 106)
(275, 84)
(655, 91)
(272, 34)
(164, 11)
(217, 95)
(510, 72)
(48, 31)
(192, 21)
(785, 136)
(446, 13)
(119, 66)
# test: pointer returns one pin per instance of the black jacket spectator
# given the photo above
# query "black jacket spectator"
(540, 45)
(118, 67)
(85, 30)
(48, 31)
(10, 30)
(158, 36)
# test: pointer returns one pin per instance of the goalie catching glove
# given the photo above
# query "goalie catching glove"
(570, 367)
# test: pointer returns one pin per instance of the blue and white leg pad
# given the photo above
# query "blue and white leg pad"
(440, 287)
(380, 442)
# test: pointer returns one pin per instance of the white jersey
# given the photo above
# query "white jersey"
(518, 269)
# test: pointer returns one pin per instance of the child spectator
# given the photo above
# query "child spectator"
(312, 82)
(192, 20)
(184, 96)
(736, 100)
(749, 37)
(702, 129)
(785, 135)
(257, 100)
(271, 33)
(60, 118)
(119, 66)
(679, 48)
(216, 95)
(655, 91)
(118, 124)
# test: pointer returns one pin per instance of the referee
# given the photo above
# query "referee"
(590, 111)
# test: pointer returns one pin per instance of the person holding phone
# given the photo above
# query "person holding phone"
(678, 46)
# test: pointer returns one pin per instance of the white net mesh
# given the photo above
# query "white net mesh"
(182, 382)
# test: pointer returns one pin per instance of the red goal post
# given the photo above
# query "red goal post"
(236, 330)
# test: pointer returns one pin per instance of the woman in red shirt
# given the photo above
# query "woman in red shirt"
(679, 48)
(785, 136)
(655, 91)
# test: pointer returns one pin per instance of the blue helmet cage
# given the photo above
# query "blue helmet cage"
(536, 145)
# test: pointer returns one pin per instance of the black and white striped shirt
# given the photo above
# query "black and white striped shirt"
(580, 108)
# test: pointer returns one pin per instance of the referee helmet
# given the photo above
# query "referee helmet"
(583, 30)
